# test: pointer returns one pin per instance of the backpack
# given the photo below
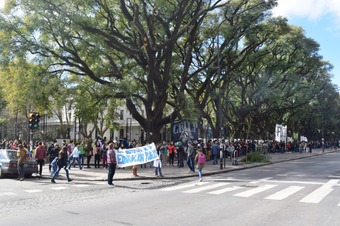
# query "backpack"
(201, 158)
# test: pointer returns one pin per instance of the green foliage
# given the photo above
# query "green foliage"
(255, 156)
(165, 59)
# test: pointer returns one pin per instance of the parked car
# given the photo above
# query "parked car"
(9, 161)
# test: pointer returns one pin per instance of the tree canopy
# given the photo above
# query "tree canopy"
(227, 63)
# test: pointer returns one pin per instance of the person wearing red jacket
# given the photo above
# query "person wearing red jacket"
(172, 152)
(40, 155)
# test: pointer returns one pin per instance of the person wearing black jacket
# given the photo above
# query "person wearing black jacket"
(62, 163)
(52, 152)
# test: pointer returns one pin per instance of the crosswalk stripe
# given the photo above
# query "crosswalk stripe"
(224, 190)
(81, 185)
(59, 188)
(260, 180)
(320, 193)
(280, 195)
(204, 188)
(254, 191)
(8, 193)
(33, 191)
(183, 186)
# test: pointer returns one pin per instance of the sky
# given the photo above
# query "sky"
(321, 21)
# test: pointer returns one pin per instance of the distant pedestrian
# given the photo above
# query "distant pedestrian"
(40, 155)
(191, 156)
(62, 163)
(53, 152)
(172, 152)
(22, 155)
(112, 163)
(89, 152)
(180, 155)
(75, 156)
(200, 160)
(214, 150)
(165, 152)
(97, 153)
(104, 155)
(158, 163)
(81, 149)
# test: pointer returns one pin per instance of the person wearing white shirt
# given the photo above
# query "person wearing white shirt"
(75, 155)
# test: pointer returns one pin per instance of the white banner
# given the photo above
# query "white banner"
(136, 156)
(280, 133)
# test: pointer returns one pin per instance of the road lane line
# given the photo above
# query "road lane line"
(204, 188)
(33, 191)
(320, 193)
(260, 180)
(183, 186)
(59, 188)
(254, 191)
(8, 193)
(224, 190)
(280, 195)
(80, 185)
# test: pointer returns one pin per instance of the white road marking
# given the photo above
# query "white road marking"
(224, 190)
(280, 195)
(203, 188)
(182, 186)
(254, 191)
(320, 193)
(59, 188)
(8, 193)
(260, 180)
(33, 191)
(81, 185)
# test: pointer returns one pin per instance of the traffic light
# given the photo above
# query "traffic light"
(33, 120)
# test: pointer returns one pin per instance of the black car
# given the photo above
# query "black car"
(9, 162)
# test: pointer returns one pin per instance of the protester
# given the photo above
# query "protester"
(112, 163)
(22, 154)
(135, 167)
(40, 155)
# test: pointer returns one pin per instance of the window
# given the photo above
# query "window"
(121, 115)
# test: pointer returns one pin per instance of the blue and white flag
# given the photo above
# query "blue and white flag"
(136, 156)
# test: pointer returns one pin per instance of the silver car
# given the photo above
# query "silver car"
(9, 162)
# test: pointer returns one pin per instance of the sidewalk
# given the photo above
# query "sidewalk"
(170, 172)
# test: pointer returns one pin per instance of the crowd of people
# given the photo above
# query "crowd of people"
(173, 154)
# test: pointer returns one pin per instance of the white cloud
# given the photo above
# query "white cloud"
(312, 9)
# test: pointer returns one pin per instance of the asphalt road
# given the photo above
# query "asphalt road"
(302, 192)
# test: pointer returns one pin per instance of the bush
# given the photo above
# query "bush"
(255, 156)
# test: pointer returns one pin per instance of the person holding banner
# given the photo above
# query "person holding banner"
(112, 163)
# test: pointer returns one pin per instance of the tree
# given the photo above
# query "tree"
(116, 44)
